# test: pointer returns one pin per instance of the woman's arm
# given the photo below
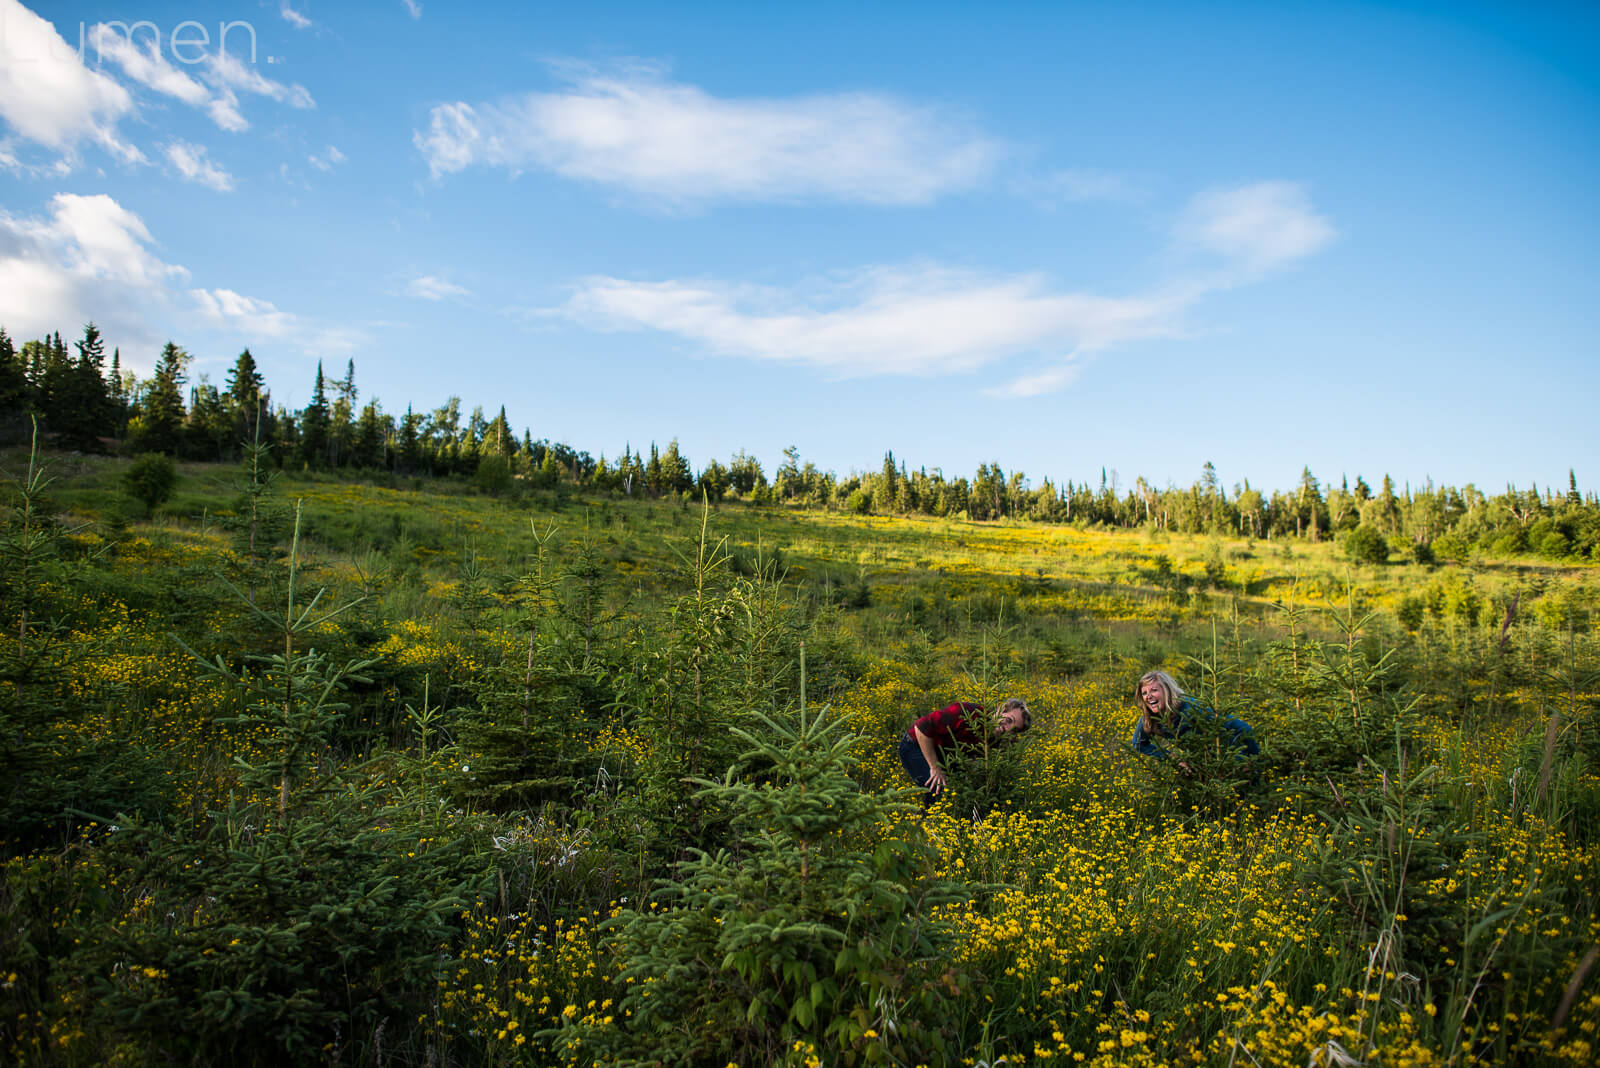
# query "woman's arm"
(936, 778)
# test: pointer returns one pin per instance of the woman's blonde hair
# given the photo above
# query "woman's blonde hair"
(1171, 696)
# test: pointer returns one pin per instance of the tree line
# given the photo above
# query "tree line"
(82, 402)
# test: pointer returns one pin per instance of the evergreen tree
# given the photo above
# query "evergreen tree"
(498, 439)
(210, 430)
(13, 379)
(744, 474)
(410, 458)
(52, 387)
(314, 421)
(676, 474)
(654, 481)
(118, 391)
(342, 419)
(797, 945)
(1311, 513)
(372, 437)
(159, 425)
(247, 396)
(82, 404)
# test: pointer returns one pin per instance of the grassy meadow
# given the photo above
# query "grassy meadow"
(395, 772)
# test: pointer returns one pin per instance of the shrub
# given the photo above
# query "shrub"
(1365, 545)
(150, 480)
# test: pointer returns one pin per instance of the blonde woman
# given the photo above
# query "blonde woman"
(1165, 712)
(936, 732)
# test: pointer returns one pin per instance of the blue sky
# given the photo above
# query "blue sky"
(1061, 237)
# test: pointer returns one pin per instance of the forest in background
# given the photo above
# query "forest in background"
(83, 402)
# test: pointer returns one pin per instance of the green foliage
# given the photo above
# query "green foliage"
(262, 857)
(1365, 545)
(803, 937)
(291, 696)
(251, 946)
(150, 480)
(493, 475)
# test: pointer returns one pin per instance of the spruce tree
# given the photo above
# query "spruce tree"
(13, 378)
(161, 416)
(247, 396)
(118, 392)
(314, 421)
(808, 940)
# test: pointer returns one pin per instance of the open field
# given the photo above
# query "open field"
(400, 773)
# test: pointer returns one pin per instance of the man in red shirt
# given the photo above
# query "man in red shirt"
(935, 732)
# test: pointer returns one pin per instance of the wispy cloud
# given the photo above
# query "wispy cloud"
(257, 318)
(430, 288)
(920, 320)
(213, 86)
(49, 97)
(1256, 228)
(334, 342)
(293, 17)
(326, 160)
(932, 320)
(679, 144)
(413, 8)
(192, 162)
(227, 71)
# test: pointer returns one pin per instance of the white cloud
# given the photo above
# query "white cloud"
(90, 258)
(1050, 380)
(145, 64)
(430, 288)
(413, 8)
(293, 17)
(678, 143)
(1256, 227)
(191, 161)
(916, 321)
(327, 159)
(929, 320)
(221, 75)
(48, 96)
(224, 307)
(228, 72)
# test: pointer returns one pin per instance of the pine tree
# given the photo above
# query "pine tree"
(314, 421)
(802, 941)
(52, 372)
(13, 379)
(372, 435)
(498, 439)
(247, 396)
(341, 428)
(118, 391)
(161, 415)
(410, 458)
(81, 404)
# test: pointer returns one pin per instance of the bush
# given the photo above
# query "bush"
(150, 480)
(494, 475)
(1365, 545)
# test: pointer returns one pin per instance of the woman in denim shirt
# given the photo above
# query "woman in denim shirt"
(1165, 711)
